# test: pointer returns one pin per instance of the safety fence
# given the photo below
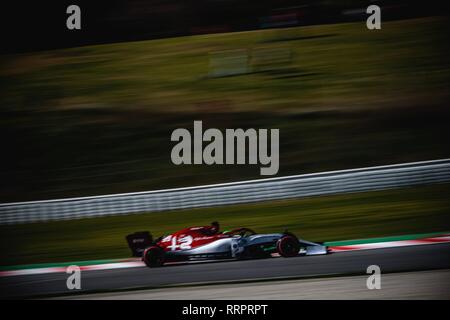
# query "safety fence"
(298, 186)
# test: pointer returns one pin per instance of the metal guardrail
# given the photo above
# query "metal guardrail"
(298, 186)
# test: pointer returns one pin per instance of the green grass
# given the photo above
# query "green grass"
(333, 66)
(350, 216)
(98, 119)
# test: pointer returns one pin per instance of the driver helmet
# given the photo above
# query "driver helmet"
(215, 227)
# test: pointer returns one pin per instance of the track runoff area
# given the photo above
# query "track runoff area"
(411, 266)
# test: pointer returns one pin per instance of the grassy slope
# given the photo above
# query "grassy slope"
(372, 214)
(338, 66)
(97, 120)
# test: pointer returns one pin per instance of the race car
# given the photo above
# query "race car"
(209, 243)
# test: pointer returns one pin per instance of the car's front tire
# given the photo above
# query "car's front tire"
(153, 257)
(288, 246)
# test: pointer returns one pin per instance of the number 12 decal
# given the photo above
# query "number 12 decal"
(183, 243)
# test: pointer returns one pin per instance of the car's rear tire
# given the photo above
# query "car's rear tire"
(153, 257)
(288, 246)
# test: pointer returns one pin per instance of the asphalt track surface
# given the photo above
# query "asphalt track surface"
(403, 285)
(401, 259)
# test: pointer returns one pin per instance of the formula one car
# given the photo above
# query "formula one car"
(208, 243)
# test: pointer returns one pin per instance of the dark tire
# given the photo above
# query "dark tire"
(288, 246)
(153, 257)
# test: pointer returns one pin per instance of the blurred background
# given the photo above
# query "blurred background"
(91, 112)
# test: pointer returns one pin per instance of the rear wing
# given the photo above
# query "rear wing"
(138, 242)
